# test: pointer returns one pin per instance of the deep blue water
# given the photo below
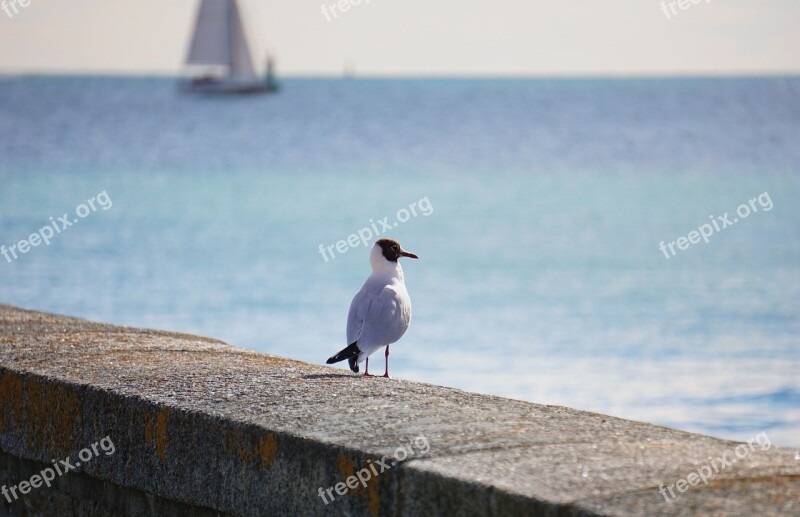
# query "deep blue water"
(540, 275)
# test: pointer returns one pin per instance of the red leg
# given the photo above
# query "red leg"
(386, 373)
(366, 369)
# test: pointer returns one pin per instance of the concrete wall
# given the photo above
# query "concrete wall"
(201, 428)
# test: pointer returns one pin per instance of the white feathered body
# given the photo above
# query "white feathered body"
(381, 311)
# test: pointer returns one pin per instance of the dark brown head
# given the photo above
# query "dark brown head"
(392, 251)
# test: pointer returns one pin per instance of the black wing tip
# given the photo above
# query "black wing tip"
(353, 361)
(351, 353)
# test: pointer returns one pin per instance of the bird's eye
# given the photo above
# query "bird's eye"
(395, 248)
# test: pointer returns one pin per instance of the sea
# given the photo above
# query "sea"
(628, 246)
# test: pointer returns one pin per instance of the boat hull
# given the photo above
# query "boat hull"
(227, 87)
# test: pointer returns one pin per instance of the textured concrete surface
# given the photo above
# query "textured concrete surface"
(201, 423)
(81, 494)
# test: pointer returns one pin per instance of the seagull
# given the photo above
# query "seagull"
(381, 311)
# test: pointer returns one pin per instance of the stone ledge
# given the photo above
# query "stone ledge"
(197, 422)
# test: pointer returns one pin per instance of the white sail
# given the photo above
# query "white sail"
(211, 40)
(220, 40)
(241, 63)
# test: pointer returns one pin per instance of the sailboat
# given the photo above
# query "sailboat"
(220, 46)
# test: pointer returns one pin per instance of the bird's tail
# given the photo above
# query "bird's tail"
(350, 353)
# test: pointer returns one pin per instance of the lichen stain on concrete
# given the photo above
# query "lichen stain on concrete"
(236, 441)
(372, 492)
(54, 417)
(517, 429)
(155, 431)
(263, 449)
(374, 496)
(148, 429)
(267, 447)
(10, 398)
(272, 360)
(161, 433)
(347, 467)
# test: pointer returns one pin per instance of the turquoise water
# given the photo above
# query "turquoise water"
(540, 275)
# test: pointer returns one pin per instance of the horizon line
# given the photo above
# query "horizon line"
(424, 75)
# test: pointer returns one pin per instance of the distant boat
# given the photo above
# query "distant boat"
(220, 45)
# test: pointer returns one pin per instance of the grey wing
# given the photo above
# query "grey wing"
(385, 320)
(355, 318)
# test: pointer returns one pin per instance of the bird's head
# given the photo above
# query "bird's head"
(386, 252)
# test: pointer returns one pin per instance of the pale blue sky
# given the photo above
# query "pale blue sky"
(422, 37)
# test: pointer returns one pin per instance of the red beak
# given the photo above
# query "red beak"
(407, 254)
